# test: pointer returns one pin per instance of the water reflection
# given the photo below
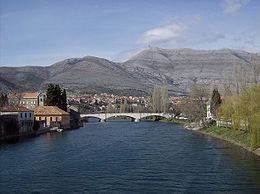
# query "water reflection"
(142, 157)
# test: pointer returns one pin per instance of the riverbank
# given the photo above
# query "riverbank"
(235, 137)
(24, 135)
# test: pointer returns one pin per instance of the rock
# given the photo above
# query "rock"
(175, 68)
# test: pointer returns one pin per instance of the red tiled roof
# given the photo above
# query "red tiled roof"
(48, 110)
(24, 95)
(16, 95)
(31, 95)
(15, 109)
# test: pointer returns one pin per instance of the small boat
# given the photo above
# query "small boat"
(59, 130)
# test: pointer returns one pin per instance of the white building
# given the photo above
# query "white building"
(28, 100)
(25, 117)
(209, 114)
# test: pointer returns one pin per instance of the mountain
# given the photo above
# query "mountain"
(175, 68)
(179, 68)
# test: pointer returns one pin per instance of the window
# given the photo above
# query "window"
(56, 118)
(30, 115)
(25, 115)
(21, 115)
(40, 118)
(45, 118)
(51, 118)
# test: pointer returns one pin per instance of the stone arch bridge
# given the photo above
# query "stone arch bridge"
(135, 116)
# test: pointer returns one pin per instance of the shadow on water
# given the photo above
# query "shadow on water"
(95, 120)
(246, 164)
(243, 159)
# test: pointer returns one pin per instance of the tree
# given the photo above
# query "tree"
(255, 69)
(123, 107)
(3, 100)
(243, 113)
(156, 99)
(165, 99)
(227, 85)
(64, 100)
(195, 104)
(110, 108)
(56, 97)
(241, 78)
(215, 101)
(50, 99)
(160, 99)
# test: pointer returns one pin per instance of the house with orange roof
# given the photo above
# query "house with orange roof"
(53, 116)
(28, 100)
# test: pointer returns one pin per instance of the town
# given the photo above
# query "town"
(26, 114)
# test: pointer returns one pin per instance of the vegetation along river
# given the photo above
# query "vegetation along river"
(126, 156)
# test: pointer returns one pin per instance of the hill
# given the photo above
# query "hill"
(175, 68)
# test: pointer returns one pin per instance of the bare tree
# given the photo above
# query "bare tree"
(165, 98)
(241, 78)
(110, 108)
(255, 70)
(160, 99)
(156, 99)
(195, 106)
(237, 77)
(227, 85)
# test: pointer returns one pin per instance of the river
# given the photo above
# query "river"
(143, 157)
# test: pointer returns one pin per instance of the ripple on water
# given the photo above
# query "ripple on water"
(127, 157)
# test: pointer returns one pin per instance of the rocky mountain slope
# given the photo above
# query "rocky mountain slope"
(175, 68)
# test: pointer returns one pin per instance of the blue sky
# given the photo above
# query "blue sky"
(42, 32)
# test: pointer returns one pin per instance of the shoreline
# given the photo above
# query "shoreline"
(30, 134)
(211, 134)
(229, 140)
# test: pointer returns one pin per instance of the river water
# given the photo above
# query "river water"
(121, 157)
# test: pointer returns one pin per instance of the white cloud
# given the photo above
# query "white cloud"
(172, 32)
(232, 6)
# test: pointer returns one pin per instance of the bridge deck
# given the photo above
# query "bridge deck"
(135, 116)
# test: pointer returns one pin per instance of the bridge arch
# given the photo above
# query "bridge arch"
(91, 116)
(134, 116)
(121, 115)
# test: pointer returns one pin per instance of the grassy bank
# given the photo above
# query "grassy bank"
(240, 138)
(233, 136)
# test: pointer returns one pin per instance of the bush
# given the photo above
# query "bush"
(212, 123)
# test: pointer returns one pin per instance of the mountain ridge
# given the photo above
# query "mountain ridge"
(175, 68)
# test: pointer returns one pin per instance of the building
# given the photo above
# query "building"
(53, 116)
(24, 118)
(27, 100)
